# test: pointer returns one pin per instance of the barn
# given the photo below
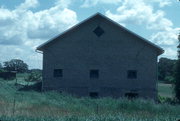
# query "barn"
(98, 58)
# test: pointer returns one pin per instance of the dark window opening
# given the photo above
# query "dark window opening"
(98, 31)
(132, 74)
(93, 94)
(58, 73)
(131, 95)
(94, 74)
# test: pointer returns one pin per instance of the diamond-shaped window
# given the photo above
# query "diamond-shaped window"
(98, 31)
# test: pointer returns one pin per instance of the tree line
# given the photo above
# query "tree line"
(19, 66)
(166, 70)
(15, 65)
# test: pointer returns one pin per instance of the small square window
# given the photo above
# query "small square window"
(58, 73)
(98, 31)
(132, 74)
(94, 74)
(93, 94)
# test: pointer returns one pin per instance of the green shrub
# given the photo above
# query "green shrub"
(33, 76)
(167, 100)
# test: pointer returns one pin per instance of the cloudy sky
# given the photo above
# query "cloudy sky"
(25, 24)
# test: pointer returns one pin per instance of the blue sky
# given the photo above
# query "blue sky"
(25, 24)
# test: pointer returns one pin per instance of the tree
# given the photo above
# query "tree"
(0, 67)
(166, 68)
(16, 65)
(177, 73)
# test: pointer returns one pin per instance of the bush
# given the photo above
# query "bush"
(169, 80)
(167, 100)
(34, 77)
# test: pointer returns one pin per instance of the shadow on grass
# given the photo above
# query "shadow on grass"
(34, 87)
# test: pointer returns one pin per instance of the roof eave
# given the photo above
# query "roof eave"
(39, 51)
(161, 51)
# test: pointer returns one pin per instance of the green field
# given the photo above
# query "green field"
(165, 90)
(20, 79)
(49, 106)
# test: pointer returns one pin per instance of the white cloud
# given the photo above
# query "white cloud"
(170, 52)
(28, 4)
(162, 3)
(166, 38)
(22, 30)
(63, 3)
(90, 3)
(139, 12)
(48, 23)
(142, 13)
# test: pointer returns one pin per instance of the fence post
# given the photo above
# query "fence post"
(14, 104)
(97, 108)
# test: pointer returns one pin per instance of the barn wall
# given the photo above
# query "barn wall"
(115, 52)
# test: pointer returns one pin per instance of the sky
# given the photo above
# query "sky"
(25, 24)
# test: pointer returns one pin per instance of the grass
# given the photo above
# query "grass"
(165, 90)
(49, 106)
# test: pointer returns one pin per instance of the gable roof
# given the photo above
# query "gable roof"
(40, 48)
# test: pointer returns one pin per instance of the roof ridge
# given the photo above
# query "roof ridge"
(110, 20)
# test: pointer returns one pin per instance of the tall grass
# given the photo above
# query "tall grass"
(47, 106)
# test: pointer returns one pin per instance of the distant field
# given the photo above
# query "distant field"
(50, 106)
(20, 79)
(165, 90)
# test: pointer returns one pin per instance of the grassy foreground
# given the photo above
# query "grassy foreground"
(49, 106)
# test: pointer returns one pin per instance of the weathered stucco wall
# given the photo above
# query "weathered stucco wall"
(115, 52)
